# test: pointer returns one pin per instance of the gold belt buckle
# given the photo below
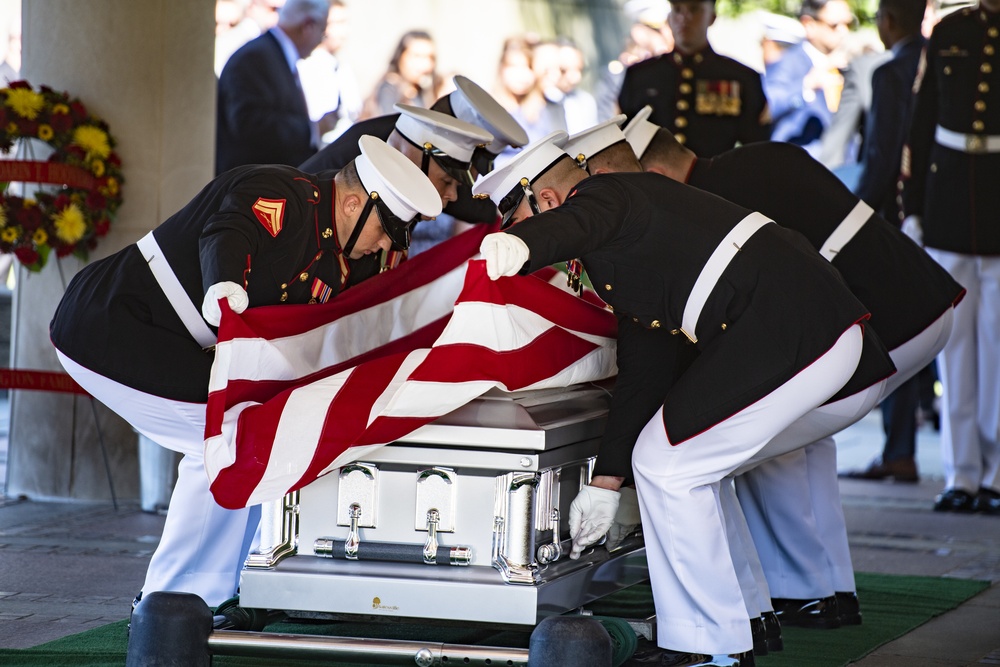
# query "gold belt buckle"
(975, 143)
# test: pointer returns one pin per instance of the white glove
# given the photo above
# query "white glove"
(590, 515)
(913, 227)
(231, 292)
(505, 254)
(626, 519)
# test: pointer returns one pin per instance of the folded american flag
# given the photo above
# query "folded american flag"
(298, 391)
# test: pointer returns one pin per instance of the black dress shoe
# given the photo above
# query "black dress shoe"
(773, 628)
(661, 657)
(987, 502)
(848, 608)
(901, 470)
(954, 500)
(759, 632)
(817, 614)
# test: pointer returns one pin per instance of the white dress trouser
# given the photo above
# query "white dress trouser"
(792, 503)
(969, 367)
(203, 546)
(700, 606)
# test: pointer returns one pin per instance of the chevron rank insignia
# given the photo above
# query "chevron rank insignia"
(271, 213)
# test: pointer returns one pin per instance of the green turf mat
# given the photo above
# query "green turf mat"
(891, 606)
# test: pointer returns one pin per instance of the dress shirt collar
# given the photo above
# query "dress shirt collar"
(287, 47)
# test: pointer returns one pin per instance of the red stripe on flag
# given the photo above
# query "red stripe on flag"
(257, 426)
(536, 295)
(347, 416)
(543, 357)
(288, 320)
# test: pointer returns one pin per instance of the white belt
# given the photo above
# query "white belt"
(967, 143)
(175, 294)
(712, 271)
(846, 230)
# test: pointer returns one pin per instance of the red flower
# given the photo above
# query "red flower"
(19, 84)
(96, 201)
(29, 128)
(102, 226)
(61, 122)
(26, 255)
(61, 202)
(114, 160)
(78, 109)
(64, 250)
(30, 218)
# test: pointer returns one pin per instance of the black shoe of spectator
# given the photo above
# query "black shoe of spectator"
(987, 502)
(954, 500)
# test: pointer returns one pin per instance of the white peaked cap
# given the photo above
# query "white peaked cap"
(639, 131)
(455, 137)
(532, 161)
(593, 140)
(474, 105)
(399, 183)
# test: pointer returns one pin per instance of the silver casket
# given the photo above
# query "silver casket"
(462, 520)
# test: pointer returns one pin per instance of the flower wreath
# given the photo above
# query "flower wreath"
(83, 164)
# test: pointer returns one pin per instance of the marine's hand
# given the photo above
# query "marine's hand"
(505, 254)
(626, 518)
(231, 292)
(590, 515)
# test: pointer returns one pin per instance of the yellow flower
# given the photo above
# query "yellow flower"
(70, 224)
(45, 132)
(97, 167)
(93, 140)
(11, 128)
(60, 108)
(3, 217)
(8, 234)
(40, 237)
(111, 189)
(25, 102)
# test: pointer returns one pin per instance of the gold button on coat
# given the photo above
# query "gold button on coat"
(685, 88)
(681, 121)
(977, 125)
(980, 105)
(303, 277)
(655, 324)
(607, 287)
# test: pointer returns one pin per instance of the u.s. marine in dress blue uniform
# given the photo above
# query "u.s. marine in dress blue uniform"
(950, 184)
(803, 546)
(134, 328)
(682, 425)
(710, 101)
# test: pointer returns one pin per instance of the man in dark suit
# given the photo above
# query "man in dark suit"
(262, 117)
(710, 101)
(898, 23)
(950, 190)
(684, 270)
(803, 86)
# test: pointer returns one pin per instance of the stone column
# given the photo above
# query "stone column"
(147, 69)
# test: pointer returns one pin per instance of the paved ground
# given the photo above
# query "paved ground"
(68, 567)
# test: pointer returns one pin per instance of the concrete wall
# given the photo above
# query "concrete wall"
(146, 68)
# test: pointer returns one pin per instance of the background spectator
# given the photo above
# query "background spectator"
(803, 87)
(410, 79)
(262, 116)
(519, 90)
(328, 82)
